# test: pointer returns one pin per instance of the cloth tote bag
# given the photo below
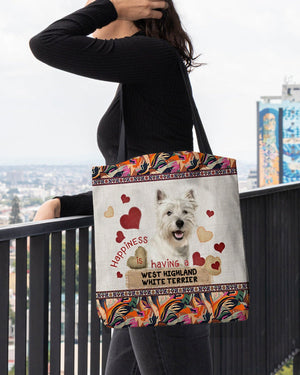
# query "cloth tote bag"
(168, 237)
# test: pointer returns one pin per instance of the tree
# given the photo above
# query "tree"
(14, 217)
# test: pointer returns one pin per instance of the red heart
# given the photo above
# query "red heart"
(124, 198)
(219, 247)
(119, 275)
(210, 213)
(215, 265)
(197, 259)
(132, 220)
(120, 236)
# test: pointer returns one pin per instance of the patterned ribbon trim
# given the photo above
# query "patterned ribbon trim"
(172, 290)
(165, 176)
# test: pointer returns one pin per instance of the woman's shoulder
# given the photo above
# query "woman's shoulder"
(153, 42)
(157, 57)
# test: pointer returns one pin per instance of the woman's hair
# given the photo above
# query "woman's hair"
(169, 28)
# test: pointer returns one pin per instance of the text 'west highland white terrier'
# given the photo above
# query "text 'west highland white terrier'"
(175, 222)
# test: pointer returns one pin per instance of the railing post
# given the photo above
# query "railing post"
(70, 302)
(296, 364)
(106, 338)
(38, 316)
(55, 331)
(4, 305)
(83, 300)
(95, 321)
(21, 306)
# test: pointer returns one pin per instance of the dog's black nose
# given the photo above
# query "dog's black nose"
(179, 223)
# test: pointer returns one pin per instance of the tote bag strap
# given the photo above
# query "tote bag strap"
(200, 132)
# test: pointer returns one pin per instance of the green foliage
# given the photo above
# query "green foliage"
(287, 369)
(12, 315)
(14, 217)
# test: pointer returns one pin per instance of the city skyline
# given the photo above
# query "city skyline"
(50, 116)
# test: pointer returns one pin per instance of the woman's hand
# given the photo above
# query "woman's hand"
(133, 10)
(48, 210)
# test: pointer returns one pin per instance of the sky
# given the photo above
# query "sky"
(251, 48)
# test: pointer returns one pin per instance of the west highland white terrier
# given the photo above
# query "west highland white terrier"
(175, 222)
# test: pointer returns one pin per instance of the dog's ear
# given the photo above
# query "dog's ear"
(160, 196)
(190, 195)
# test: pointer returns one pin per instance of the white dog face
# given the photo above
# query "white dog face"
(175, 217)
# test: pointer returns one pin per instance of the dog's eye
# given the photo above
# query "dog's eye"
(169, 213)
(184, 212)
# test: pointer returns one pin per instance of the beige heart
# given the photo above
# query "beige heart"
(204, 235)
(109, 212)
(139, 260)
(213, 265)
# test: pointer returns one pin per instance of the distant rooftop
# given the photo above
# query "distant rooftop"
(290, 92)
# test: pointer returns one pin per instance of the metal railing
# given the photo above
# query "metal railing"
(258, 346)
(271, 335)
(46, 242)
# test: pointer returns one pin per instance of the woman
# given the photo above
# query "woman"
(135, 44)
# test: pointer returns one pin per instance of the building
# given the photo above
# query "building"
(278, 137)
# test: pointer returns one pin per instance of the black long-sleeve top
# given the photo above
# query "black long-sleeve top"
(157, 112)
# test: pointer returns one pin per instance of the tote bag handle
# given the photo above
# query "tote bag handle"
(200, 132)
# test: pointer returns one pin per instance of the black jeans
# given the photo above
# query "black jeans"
(170, 350)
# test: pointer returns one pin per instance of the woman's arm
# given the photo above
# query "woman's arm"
(48, 210)
(66, 205)
(73, 205)
(65, 45)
